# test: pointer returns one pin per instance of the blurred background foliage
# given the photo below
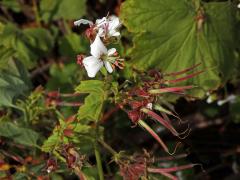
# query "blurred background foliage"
(38, 48)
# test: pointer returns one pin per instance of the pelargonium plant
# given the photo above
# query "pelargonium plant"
(141, 99)
(115, 90)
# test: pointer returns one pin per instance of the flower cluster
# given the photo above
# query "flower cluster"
(101, 33)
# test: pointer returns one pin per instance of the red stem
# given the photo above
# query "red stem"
(183, 71)
(185, 77)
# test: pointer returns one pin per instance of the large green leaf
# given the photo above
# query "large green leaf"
(170, 38)
(66, 9)
(20, 135)
(92, 107)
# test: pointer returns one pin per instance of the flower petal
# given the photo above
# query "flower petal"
(82, 21)
(101, 32)
(92, 65)
(101, 22)
(108, 66)
(98, 48)
(113, 22)
(114, 33)
(111, 51)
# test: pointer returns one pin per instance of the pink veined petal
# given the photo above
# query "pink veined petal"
(111, 51)
(98, 48)
(82, 21)
(92, 65)
(108, 66)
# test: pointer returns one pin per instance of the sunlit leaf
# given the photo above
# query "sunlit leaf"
(92, 107)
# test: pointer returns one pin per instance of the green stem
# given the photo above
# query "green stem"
(97, 155)
(106, 146)
(35, 9)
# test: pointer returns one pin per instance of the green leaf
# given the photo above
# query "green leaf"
(63, 76)
(72, 44)
(40, 38)
(91, 86)
(11, 4)
(169, 38)
(93, 103)
(13, 82)
(5, 55)
(29, 44)
(66, 9)
(19, 135)
(52, 142)
(58, 138)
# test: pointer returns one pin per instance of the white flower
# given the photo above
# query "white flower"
(99, 58)
(106, 27)
(238, 5)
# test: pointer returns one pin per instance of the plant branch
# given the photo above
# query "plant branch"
(37, 16)
(106, 146)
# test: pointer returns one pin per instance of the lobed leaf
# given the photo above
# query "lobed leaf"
(93, 103)
(169, 36)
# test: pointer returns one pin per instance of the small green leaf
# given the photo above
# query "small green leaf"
(11, 4)
(91, 86)
(19, 135)
(52, 142)
(40, 39)
(58, 138)
(5, 55)
(92, 107)
(93, 103)
(13, 82)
